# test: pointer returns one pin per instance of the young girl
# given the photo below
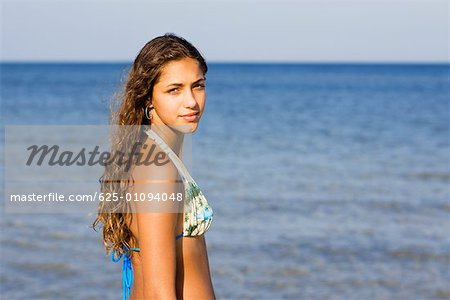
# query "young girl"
(162, 246)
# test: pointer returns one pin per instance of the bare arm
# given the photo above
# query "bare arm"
(157, 230)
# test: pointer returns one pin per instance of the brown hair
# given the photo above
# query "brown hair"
(134, 97)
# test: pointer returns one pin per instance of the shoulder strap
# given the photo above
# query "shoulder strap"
(185, 176)
(191, 188)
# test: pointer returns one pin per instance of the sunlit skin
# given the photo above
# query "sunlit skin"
(167, 268)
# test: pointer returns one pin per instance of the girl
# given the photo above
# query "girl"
(163, 247)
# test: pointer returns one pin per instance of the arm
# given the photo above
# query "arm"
(157, 230)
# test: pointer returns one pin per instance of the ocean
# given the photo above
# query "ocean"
(328, 181)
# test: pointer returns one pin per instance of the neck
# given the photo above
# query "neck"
(174, 139)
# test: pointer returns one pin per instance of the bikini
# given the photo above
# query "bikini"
(198, 214)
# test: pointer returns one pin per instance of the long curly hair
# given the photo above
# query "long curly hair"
(134, 97)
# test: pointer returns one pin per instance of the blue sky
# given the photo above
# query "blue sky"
(297, 31)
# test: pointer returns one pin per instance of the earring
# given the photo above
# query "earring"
(146, 112)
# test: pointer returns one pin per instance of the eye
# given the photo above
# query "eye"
(200, 86)
(173, 91)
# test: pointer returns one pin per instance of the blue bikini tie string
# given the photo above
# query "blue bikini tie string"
(127, 271)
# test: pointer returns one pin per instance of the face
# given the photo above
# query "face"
(179, 95)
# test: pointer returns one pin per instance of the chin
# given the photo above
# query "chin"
(186, 128)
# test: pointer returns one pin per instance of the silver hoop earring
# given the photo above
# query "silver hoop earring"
(146, 112)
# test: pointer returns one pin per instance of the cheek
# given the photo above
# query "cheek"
(202, 104)
(201, 101)
(167, 107)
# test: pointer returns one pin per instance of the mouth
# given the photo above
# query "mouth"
(190, 116)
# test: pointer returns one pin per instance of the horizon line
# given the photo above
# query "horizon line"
(250, 62)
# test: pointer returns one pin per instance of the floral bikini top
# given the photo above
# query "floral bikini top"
(198, 214)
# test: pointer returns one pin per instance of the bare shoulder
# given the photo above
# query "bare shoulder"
(155, 176)
(154, 164)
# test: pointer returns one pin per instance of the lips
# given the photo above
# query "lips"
(190, 117)
(190, 114)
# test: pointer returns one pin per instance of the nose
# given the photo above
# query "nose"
(190, 100)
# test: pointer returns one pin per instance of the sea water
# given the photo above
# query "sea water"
(328, 181)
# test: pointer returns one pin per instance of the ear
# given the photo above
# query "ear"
(148, 102)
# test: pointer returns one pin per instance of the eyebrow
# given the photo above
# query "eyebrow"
(180, 84)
